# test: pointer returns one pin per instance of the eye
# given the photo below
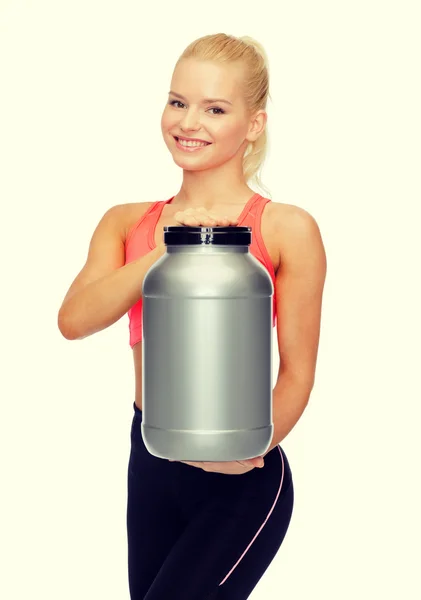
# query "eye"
(216, 108)
(173, 102)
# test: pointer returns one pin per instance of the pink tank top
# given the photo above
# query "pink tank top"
(141, 240)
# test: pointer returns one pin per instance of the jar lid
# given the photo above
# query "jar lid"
(214, 236)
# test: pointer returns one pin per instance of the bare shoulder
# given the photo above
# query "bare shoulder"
(128, 214)
(294, 225)
(290, 215)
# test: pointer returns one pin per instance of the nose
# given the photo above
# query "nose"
(190, 121)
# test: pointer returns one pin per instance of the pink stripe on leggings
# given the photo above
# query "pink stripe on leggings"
(262, 525)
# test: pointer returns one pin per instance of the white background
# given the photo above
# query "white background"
(83, 86)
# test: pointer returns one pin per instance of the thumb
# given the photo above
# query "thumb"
(251, 462)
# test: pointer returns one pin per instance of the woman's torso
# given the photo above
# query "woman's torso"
(269, 231)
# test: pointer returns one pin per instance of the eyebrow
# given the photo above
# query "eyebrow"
(205, 101)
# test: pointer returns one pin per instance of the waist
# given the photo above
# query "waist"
(137, 410)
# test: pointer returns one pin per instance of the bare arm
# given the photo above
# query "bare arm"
(106, 288)
(299, 289)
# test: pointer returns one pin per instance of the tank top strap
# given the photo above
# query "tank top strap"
(254, 208)
(154, 212)
(135, 226)
(259, 205)
(255, 221)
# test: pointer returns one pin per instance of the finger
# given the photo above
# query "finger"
(223, 221)
(245, 463)
(218, 219)
(205, 216)
(186, 219)
(191, 221)
(227, 220)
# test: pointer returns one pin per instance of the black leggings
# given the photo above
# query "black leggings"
(198, 535)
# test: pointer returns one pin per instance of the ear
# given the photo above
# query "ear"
(257, 126)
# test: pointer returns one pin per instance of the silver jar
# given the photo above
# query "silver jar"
(207, 347)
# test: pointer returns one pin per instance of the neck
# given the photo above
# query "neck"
(212, 188)
(211, 199)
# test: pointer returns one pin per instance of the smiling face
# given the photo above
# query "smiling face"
(226, 125)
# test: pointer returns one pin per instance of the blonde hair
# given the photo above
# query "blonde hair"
(223, 48)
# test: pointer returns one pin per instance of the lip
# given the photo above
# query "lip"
(187, 149)
(180, 137)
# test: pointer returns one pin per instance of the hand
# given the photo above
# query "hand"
(234, 467)
(195, 217)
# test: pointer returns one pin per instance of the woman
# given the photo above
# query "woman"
(198, 531)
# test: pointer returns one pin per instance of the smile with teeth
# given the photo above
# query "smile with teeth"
(190, 144)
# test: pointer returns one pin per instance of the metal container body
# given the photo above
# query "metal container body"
(207, 355)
